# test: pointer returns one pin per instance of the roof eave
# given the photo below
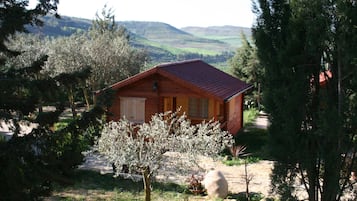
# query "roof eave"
(239, 93)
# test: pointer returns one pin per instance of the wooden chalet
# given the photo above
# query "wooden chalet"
(202, 91)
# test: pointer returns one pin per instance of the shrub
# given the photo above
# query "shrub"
(195, 184)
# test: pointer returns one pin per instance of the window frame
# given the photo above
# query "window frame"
(133, 109)
(198, 107)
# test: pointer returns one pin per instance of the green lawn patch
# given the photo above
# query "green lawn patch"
(241, 161)
(63, 123)
(249, 116)
(255, 140)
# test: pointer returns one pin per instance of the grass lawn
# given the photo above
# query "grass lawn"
(90, 185)
(253, 138)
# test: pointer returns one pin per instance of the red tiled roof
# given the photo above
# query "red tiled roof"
(196, 74)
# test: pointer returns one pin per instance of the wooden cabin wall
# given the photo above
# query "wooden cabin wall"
(235, 114)
(157, 89)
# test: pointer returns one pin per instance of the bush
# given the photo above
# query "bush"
(32, 163)
(195, 185)
(252, 197)
(241, 161)
(249, 116)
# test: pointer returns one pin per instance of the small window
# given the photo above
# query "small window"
(133, 109)
(198, 107)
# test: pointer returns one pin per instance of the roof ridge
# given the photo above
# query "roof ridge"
(178, 63)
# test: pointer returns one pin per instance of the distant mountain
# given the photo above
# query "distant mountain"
(167, 35)
(153, 30)
(64, 26)
(162, 41)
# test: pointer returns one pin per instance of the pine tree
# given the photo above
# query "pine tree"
(245, 66)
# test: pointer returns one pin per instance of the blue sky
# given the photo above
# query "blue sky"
(179, 13)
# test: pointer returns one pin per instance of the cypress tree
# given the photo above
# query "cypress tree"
(311, 135)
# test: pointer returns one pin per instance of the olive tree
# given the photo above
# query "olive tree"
(141, 148)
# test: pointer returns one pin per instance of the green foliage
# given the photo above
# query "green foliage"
(62, 123)
(36, 160)
(32, 162)
(105, 21)
(310, 130)
(241, 161)
(252, 197)
(245, 65)
(249, 116)
(14, 16)
(110, 54)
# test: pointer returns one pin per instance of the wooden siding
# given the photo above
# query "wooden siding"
(183, 103)
(159, 93)
(235, 114)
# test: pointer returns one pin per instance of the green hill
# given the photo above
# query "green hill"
(162, 41)
(227, 34)
(64, 26)
(179, 40)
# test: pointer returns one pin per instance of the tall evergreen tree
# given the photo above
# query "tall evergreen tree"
(31, 162)
(245, 65)
(17, 82)
(311, 135)
(105, 21)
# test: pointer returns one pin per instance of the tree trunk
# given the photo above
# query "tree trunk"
(258, 97)
(71, 102)
(247, 180)
(147, 184)
(313, 177)
(86, 97)
(40, 107)
(331, 180)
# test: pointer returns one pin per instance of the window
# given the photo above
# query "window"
(133, 109)
(198, 107)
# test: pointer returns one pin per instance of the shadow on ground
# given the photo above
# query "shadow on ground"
(253, 196)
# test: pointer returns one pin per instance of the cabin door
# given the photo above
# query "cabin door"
(170, 104)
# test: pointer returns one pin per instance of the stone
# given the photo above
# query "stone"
(216, 184)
